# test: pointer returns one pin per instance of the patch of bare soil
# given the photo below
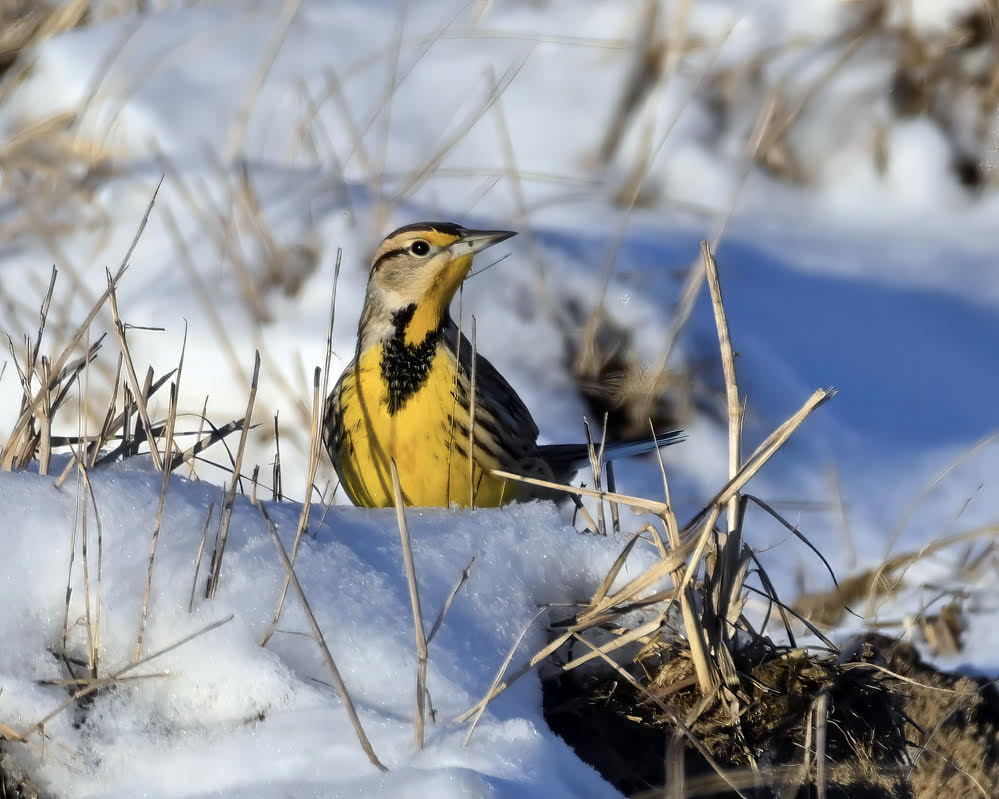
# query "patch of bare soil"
(953, 721)
(875, 721)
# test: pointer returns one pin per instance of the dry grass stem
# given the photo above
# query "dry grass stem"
(89, 615)
(237, 132)
(93, 686)
(317, 634)
(766, 450)
(707, 531)
(696, 640)
(596, 469)
(731, 384)
(109, 416)
(442, 614)
(612, 488)
(615, 569)
(230, 497)
(69, 569)
(167, 458)
(821, 727)
(500, 686)
(254, 482)
(216, 435)
(197, 558)
(642, 631)
(494, 688)
(95, 635)
(695, 628)
(623, 499)
(277, 495)
(581, 509)
(106, 682)
(158, 524)
(306, 514)
(133, 380)
(414, 598)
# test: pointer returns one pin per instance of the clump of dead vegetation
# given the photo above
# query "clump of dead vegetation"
(670, 685)
(50, 151)
(949, 76)
(617, 386)
(24, 23)
(54, 166)
(129, 429)
(48, 383)
(54, 386)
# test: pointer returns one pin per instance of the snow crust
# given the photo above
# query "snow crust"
(223, 714)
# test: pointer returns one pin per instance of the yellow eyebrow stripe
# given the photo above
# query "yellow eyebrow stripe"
(439, 239)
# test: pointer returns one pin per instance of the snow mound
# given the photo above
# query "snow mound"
(224, 712)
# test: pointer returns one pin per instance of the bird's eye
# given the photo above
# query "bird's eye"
(419, 247)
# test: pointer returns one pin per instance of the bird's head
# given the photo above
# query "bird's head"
(421, 267)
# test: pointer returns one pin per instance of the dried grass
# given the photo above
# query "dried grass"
(320, 391)
(712, 613)
(826, 608)
(48, 381)
(948, 75)
(758, 714)
(414, 597)
(320, 639)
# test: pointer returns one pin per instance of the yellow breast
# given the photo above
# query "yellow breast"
(430, 450)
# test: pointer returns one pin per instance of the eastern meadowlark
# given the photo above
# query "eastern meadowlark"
(407, 395)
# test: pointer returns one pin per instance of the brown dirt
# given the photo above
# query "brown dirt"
(886, 737)
(955, 730)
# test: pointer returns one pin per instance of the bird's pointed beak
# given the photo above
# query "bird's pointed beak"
(473, 241)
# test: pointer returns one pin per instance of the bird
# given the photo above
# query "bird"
(415, 393)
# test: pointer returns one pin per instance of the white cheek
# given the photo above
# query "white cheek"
(403, 295)
(393, 299)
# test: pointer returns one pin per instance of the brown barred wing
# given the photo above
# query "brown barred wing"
(334, 432)
(505, 433)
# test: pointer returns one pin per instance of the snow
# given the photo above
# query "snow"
(880, 283)
(224, 712)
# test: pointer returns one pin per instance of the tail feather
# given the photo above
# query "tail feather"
(566, 459)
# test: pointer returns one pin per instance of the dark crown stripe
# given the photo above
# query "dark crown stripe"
(450, 228)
